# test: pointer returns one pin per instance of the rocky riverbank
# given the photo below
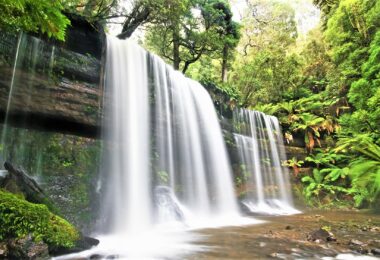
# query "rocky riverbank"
(309, 235)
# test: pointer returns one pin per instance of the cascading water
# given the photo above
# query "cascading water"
(261, 151)
(129, 193)
(165, 159)
(179, 146)
(189, 144)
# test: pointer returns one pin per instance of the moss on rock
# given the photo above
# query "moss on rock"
(18, 218)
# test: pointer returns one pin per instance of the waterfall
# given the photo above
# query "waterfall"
(165, 167)
(164, 146)
(261, 151)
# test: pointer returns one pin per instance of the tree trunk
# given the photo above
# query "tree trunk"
(176, 58)
(224, 63)
(137, 17)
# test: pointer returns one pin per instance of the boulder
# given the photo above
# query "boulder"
(27, 248)
(376, 251)
(321, 235)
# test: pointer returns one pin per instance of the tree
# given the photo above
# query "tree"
(95, 10)
(229, 32)
(349, 32)
(187, 30)
(327, 7)
(34, 16)
(266, 67)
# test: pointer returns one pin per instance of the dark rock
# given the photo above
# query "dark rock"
(361, 250)
(298, 152)
(65, 105)
(27, 248)
(96, 256)
(321, 235)
(84, 37)
(375, 251)
(88, 242)
(18, 181)
(76, 66)
(288, 227)
(84, 243)
(359, 246)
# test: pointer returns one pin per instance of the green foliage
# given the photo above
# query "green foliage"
(269, 109)
(364, 169)
(323, 186)
(93, 10)
(184, 31)
(266, 68)
(325, 158)
(338, 95)
(351, 30)
(365, 175)
(294, 163)
(19, 218)
(364, 93)
(34, 16)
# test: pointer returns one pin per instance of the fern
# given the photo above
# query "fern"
(365, 175)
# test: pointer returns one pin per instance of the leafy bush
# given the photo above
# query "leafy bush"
(19, 218)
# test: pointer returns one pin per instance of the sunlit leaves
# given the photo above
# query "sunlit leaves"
(34, 15)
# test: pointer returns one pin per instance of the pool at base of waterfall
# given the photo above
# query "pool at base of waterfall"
(277, 237)
(171, 240)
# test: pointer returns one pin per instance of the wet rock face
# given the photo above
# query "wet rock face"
(55, 86)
